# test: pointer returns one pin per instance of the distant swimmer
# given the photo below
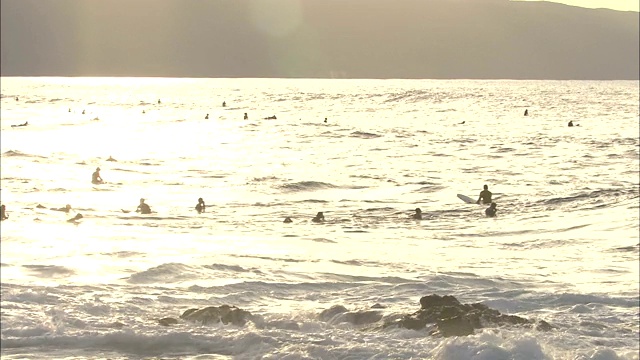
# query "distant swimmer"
(286, 220)
(25, 124)
(69, 109)
(270, 117)
(206, 117)
(526, 112)
(159, 102)
(95, 178)
(144, 112)
(224, 104)
(570, 124)
(75, 218)
(3, 212)
(246, 117)
(491, 210)
(200, 207)
(325, 120)
(485, 196)
(17, 99)
(462, 122)
(66, 209)
(143, 208)
(82, 112)
(418, 214)
(319, 217)
(111, 159)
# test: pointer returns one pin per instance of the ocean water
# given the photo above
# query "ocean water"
(564, 247)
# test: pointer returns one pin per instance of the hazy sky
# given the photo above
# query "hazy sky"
(622, 5)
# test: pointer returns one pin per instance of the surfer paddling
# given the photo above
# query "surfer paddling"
(485, 196)
(319, 218)
(418, 214)
(3, 212)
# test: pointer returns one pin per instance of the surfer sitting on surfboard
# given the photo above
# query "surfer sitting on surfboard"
(143, 208)
(491, 210)
(485, 196)
(95, 178)
(319, 217)
(200, 206)
(418, 214)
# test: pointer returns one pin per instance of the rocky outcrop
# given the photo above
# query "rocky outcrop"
(217, 314)
(451, 318)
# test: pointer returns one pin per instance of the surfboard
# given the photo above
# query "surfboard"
(466, 199)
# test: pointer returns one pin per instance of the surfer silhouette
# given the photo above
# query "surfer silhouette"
(111, 158)
(570, 124)
(95, 177)
(3, 212)
(485, 196)
(319, 218)
(526, 112)
(418, 214)
(66, 209)
(143, 208)
(286, 220)
(75, 218)
(246, 117)
(200, 207)
(491, 210)
(224, 104)
(325, 120)
(206, 117)
(25, 124)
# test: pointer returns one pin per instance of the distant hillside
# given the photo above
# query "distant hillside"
(474, 39)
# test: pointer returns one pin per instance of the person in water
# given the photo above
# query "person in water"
(224, 104)
(206, 117)
(200, 207)
(25, 124)
(246, 117)
(286, 220)
(319, 217)
(325, 120)
(485, 196)
(526, 112)
(418, 214)
(75, 218)
(3, 212)
(66, 209)
(111, 159)
(570, 123)
(143, 208)
(95, 178)
(491, 210)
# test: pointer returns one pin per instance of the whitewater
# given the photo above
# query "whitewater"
(564, 247)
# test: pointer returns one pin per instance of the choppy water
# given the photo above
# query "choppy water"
(564, 247)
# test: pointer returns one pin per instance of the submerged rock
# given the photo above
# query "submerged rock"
(215, 314)
(451, 318)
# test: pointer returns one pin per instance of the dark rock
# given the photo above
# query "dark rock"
(215, 314)
(167, 321)
(451, 318)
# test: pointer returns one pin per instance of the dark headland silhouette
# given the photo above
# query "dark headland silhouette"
(435, 39)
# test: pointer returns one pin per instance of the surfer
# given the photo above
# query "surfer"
(75, 218)
(224, 104)
(418, 214)
(83, 112)
(159, 102)
(95, 178)
(66, 209)
(3, 212)
(319, 218)
(25, 124)
(271, 117)
(325, 120)
(286, 220)
(526, 112)
(246, 117)
(485, 196)
(200, 207)
(570, 123)
(111, 159)
(491, 210)
(143, 208)
(206, 117)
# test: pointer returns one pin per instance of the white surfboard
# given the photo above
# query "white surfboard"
(466, 199)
